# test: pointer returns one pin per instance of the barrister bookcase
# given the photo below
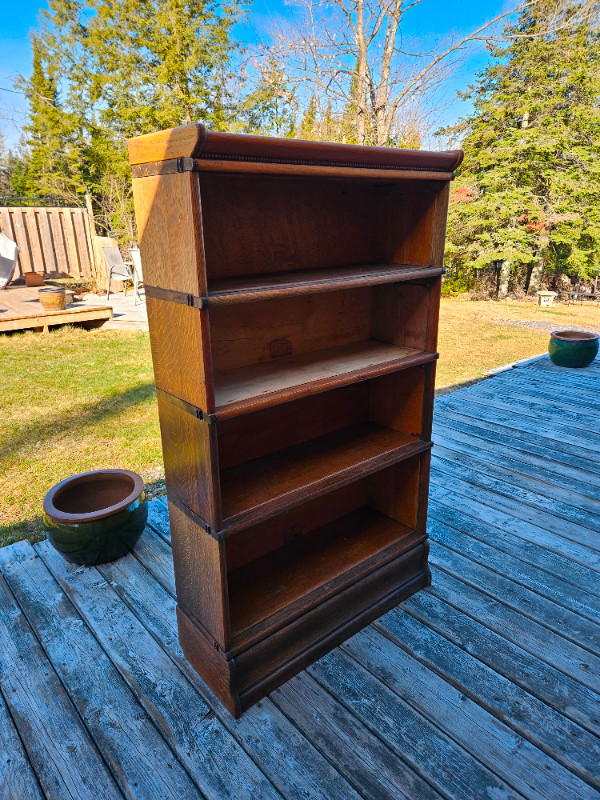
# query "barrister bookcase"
(293, 294)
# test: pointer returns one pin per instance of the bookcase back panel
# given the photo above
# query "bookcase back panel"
(257, 333)
(250, 436)
(282, 224)
(287, 529)
(395, 491)
(401, 314)
(393, 401)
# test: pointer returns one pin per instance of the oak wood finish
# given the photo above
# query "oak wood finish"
(293, 322)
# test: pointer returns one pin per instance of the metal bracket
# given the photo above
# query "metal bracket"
(196, 412)
(183, 298)
(194, 517)
(186, 164)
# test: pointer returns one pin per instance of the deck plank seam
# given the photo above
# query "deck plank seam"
(438, 466)
(466, 611)
(107, 652)
(582, 559)
(438, 562)
(495, 710)
(449, 439)
(486, 761)
(529, 458)
(592, 726)
(20, 738)
(415, 767)
(359, 724)
(197, 682)
(441, 512)
(202, 688)
(591, 615)
(5, 586)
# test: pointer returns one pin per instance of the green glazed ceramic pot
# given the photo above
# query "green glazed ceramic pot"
(573, 348)
(97, 516)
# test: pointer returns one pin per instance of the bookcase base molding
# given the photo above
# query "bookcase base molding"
(293, 297)
(242, 680)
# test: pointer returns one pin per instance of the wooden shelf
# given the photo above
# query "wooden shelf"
(290, 377)
(266, 287)
(257, 489)
(302, 574)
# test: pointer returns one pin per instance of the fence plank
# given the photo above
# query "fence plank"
(21, 239)
(58, 240)
(46, 237)
(70, 245)
(35, 243)
(84, 258)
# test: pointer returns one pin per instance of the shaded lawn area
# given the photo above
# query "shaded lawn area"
(76, 400)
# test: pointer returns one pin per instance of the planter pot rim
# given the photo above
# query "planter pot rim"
(88, 477)
(52, 289)
(575, 336)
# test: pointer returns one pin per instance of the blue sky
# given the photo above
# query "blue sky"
(430, 21)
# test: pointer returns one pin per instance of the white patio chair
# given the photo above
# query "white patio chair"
(117, 268)
(138, 275)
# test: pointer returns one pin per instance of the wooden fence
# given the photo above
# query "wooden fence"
(55, 241)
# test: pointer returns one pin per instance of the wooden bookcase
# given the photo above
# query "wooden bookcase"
(293, 294)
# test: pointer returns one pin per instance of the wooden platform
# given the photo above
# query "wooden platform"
(20, 310)
(484, 687)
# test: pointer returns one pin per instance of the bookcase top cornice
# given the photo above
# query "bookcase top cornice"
(196, 142)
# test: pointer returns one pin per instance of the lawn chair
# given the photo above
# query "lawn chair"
(117, 268)
(138, 276)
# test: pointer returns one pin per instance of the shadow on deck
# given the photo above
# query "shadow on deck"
(485, 686)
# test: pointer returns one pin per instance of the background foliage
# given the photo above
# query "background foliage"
(525, 206)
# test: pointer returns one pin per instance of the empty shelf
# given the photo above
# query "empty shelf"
(265, 287)
(317, 566)
(242, 390)
(257, 489)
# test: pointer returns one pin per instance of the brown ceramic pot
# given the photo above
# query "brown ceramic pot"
(52, 298)
(34, 278)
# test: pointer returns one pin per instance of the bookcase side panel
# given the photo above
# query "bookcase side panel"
(190, 457)
(181, 352)
(439, 226)
(167, 211)
(169, 223)
(200, 575)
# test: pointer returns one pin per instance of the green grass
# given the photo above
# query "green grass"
(71, 401)
(75, 400)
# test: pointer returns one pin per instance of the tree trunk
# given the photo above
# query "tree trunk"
(503, 280)
(537, 271)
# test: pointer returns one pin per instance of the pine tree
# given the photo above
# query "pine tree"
(528, 195)
(51, 166)
(107, 70)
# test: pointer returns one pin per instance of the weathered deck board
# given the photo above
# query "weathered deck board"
(60, 750)
(134, 750)
(486, 685)
(20, 309)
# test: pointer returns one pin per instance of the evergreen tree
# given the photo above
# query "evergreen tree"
(107, 70)
(528, 194)
(52, 163)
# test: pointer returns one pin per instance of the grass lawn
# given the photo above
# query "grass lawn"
(75, 400)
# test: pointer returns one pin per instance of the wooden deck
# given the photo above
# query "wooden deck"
(485, 686)
(20, 309)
